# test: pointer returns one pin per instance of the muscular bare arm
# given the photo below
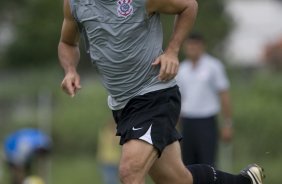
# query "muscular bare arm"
(68, 52)
(185, 11)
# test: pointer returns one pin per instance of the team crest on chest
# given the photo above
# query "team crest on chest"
(124, 8)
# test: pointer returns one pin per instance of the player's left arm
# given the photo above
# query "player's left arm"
(185, 11)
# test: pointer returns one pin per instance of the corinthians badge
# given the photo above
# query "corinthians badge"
(124, 8)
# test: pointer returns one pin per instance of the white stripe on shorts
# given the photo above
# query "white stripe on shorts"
(147, 136)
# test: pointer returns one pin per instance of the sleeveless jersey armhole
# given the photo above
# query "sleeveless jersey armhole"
(147, 15)
(73, 5)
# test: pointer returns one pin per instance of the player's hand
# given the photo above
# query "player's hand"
(71, 83)
(169, 64)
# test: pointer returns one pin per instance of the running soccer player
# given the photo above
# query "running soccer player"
(24, 149)
(124, 39)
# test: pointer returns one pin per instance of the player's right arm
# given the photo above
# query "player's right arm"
(68, 52)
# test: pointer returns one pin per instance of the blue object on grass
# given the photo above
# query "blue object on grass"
(22, 144)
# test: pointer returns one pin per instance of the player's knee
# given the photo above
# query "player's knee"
(124, 173)
(130, 171)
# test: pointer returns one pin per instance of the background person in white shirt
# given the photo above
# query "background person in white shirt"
(204, 89)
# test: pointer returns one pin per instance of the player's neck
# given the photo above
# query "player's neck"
(195, 62)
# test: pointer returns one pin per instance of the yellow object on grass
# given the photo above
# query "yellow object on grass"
(33, 180)
(109, 149)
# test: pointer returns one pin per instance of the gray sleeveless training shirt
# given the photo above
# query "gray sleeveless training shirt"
(123, 41)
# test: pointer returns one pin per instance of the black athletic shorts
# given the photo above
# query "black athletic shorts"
(151, 117)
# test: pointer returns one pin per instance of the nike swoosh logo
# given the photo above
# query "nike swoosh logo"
(134, 129)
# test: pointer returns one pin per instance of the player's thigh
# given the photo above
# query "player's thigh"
(169, 168)
(137, 156)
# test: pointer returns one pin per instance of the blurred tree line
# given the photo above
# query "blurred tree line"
(37, 27)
